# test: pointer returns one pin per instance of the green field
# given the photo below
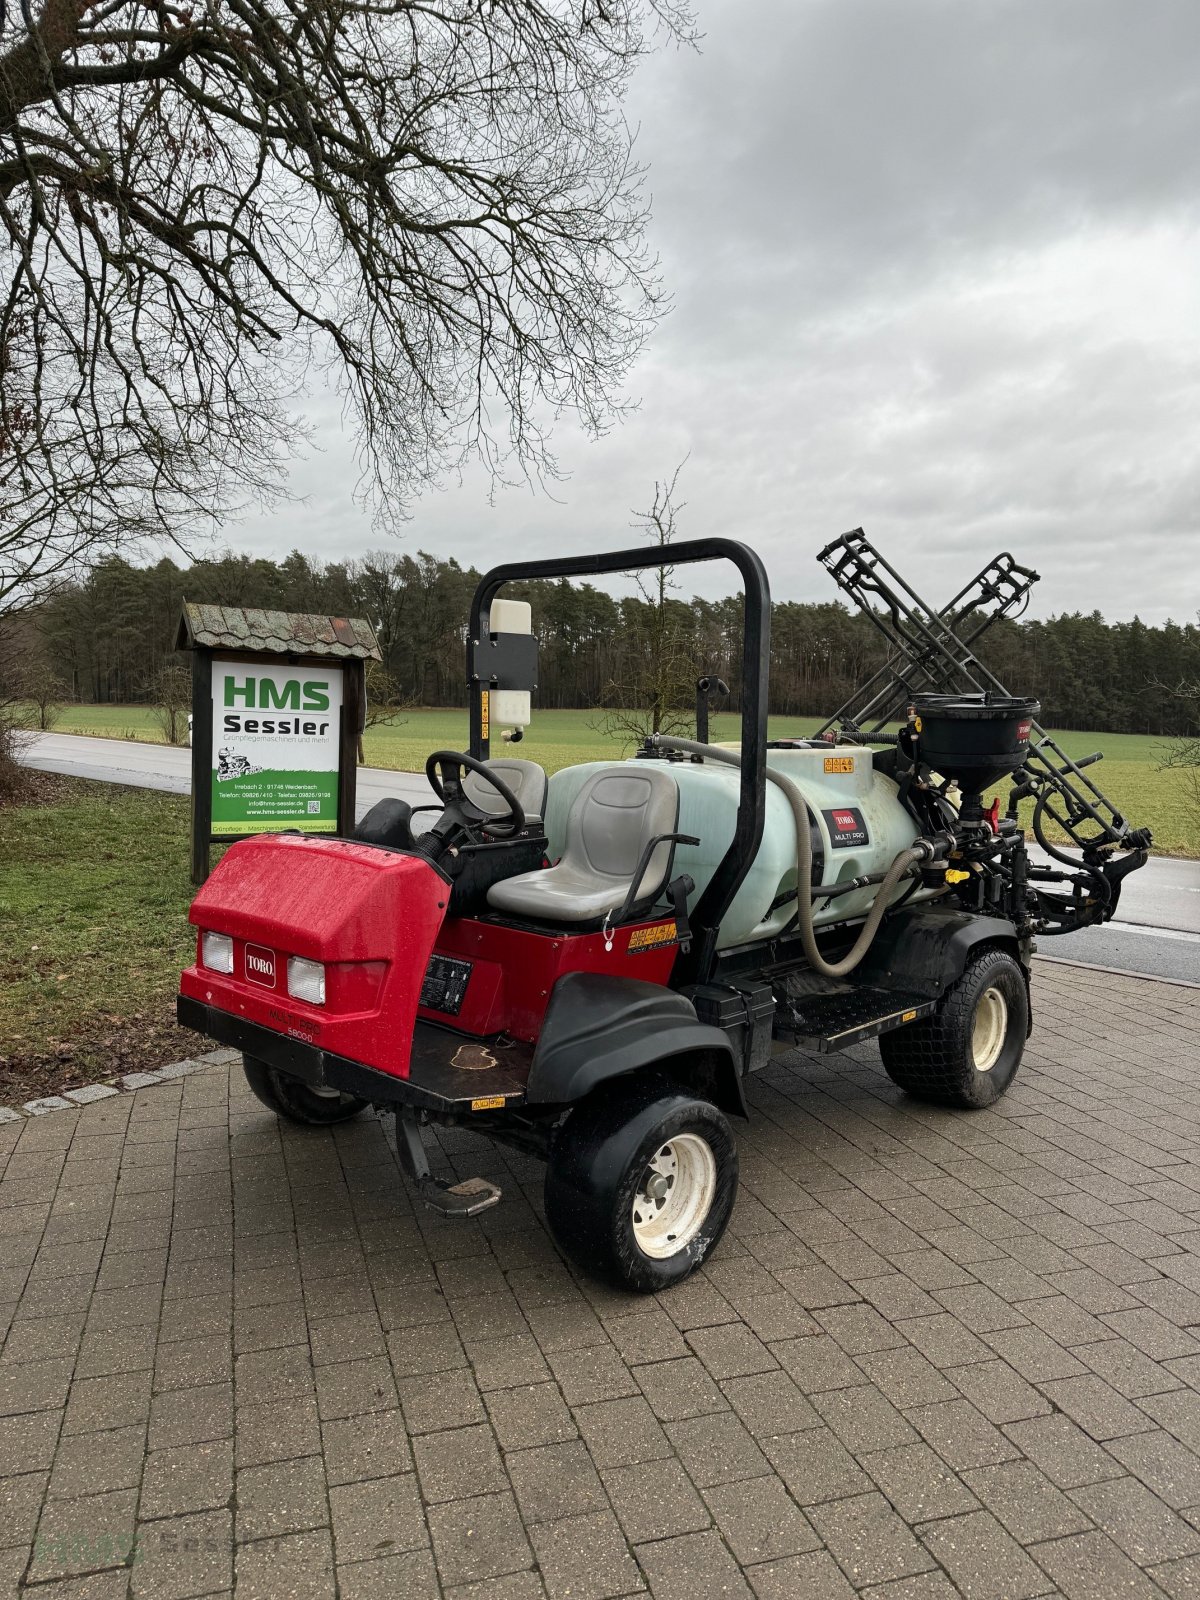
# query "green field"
(93, 901)
(561, 738)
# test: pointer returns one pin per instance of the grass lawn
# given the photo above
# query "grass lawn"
(561, 738)
(93, 903)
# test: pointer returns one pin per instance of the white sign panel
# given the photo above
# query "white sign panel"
(275, 747)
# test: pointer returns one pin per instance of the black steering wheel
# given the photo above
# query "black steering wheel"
(445, 769)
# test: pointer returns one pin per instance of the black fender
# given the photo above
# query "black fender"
(598, 1027)
(927, 948)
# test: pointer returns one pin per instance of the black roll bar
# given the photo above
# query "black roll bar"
(756, 656)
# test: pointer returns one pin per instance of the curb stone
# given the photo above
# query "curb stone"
(140, 1080)
(91, 1092)
(72, 1099)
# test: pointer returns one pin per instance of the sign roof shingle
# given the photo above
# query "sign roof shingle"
(275, 632)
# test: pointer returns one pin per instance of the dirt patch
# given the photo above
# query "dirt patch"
(106, 1048)
(39, 789)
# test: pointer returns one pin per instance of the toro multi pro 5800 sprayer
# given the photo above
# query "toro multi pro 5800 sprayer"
(588, 967)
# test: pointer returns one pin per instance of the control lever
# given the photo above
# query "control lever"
(677, 892)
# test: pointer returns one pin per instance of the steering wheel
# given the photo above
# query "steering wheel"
(444, 769)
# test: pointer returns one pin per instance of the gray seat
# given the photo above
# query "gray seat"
(615, 817)
(527, 781)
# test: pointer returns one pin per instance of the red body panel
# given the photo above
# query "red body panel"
(373, 918)
(515, 969)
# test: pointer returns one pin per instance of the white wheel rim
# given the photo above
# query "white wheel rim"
(990, 1029)
(674, 1195)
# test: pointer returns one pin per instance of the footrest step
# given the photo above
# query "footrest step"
(465, 1199)
(830, 1022)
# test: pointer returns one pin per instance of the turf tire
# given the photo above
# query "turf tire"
(289, 1097)
(599, 1161)
(934, 1059)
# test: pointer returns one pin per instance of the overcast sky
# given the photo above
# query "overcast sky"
(936, 271)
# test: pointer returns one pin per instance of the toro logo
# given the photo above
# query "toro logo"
(1023, 730)
(260, 965)
(847, 828)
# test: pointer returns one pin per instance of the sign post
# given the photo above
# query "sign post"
(278, 706)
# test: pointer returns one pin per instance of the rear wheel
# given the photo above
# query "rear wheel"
(968, 1052)
(299, 1102)
(641, 1182)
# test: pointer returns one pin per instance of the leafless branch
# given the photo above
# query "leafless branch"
(431, 204)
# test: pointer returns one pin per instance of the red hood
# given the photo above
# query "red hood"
(371, 916)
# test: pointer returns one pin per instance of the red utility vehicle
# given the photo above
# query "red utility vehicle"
(588, 967)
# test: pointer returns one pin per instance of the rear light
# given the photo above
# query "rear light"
(216, 951)
(306, 980)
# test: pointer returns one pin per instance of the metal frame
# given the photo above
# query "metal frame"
(756, 656)
(1003, 584)
(928, 648)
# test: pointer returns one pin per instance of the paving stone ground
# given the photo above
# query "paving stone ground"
(938, 1353)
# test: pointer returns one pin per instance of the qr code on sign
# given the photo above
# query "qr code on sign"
(314, 808)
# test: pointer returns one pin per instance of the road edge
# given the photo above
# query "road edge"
(1117, 972)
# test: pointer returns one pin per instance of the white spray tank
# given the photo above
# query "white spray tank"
(860, 828)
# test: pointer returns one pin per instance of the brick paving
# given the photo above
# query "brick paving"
(937, 1353)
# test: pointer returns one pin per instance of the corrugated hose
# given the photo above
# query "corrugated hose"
(908, 858)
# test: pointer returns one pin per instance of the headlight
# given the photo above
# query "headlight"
(216, 951)
(306, 980)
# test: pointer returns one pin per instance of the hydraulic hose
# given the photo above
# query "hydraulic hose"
(900, 867)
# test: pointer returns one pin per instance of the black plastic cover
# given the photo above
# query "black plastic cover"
(927, 949)
(598, 1027)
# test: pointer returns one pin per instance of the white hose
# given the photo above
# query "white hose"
(900, 867)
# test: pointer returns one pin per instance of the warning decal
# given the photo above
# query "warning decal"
(653, 937)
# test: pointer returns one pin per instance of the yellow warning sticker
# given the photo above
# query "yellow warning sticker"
(908, 1016)
(485, 699)
(839, 763)
(653, 937)
(488, 1102)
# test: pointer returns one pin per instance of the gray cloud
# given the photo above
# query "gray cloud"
(935, 271)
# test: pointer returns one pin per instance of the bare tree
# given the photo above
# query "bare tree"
(432, 203)
(45, 693)
(1183, 752)
(14, 711)
(32, 691)
(173, 700)
(385, 701)
(654, 689)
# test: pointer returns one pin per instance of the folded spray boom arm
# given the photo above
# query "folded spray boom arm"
(922, 643)
(930, 651)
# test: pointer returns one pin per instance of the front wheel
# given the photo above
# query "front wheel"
(641, 1183)
(968, 1052)
(299, 1102)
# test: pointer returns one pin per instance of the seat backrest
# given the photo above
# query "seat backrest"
(526, 779)
(614, 817)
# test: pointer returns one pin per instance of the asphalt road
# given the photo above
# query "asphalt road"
(157, 766)
(1158, 931)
